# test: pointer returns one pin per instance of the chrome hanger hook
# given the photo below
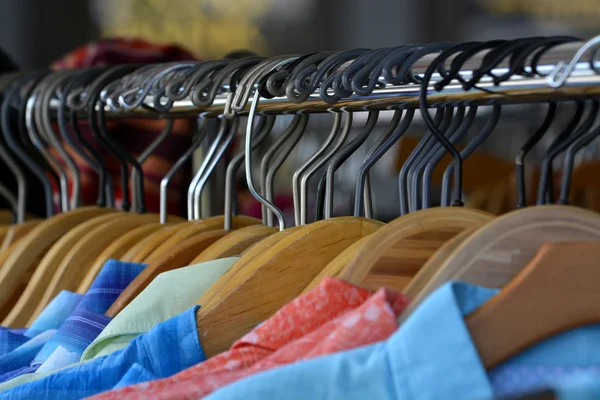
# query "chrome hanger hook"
(562, 71)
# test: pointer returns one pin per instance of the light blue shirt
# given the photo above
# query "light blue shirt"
(166, 349)
(431, 356)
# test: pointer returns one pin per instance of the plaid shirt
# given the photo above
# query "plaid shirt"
(81, 327)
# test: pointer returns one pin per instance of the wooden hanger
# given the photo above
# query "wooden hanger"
(497, 251)
(79, 258)
(188, 230)
(235, 243)
(116, 250)
(35, 291)
(154, 241)
(180, 256)
(255, 291)
(132, 254)
(20, 264)
(393, 255)
(3, 231)
(17, 231)
(247, 256)
(557, 291)
(435, 262)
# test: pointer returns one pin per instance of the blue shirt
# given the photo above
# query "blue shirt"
(83, 325)
(431, 356)
(52, 317)
(166, 349)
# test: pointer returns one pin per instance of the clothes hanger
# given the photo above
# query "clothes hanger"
(240, 292)
(23, 260)
(48, 278)
(497, 251)
(240, 239)
(153, 242)
(74, 255)
(200, 227)
(554, 293)
(394, 254)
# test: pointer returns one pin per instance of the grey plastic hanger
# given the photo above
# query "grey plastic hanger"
(360, 191)
(281, 157)
(342, 156)
(268, 156)
(468, 150)
(451, 132)
(440, 153)
(300, 199)
(263, 128)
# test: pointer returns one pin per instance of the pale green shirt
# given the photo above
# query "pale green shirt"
(168, 295)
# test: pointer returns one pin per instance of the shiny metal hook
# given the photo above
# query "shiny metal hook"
(248, 163)
(264, 127)
(342, 156)
(366, 187)
(379, 152)
(268, 156)
(47, 127)
(299, 201)
(162, 136)
(314, 168)
(232, 130)
(194, 213)
(31, 123)
(164, 183)
(281, 157)
(562, 71)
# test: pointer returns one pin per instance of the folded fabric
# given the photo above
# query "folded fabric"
(166, 349)
(87, 320)
(431, 356)
(17, 361)
(81, 327)
(275, 342)
(157, 303)
(51, 318)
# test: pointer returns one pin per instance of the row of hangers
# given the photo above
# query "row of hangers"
(545, 291)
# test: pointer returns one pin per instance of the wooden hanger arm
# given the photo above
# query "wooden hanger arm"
(557, 291)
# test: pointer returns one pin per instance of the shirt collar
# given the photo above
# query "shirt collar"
(88, 319)
(55, 313)
(325, 302)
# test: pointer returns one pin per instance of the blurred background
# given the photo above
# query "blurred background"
(37, 32)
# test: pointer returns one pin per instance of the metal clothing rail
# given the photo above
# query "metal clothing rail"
(582, 81)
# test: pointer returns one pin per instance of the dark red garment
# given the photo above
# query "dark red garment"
(135, 134)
